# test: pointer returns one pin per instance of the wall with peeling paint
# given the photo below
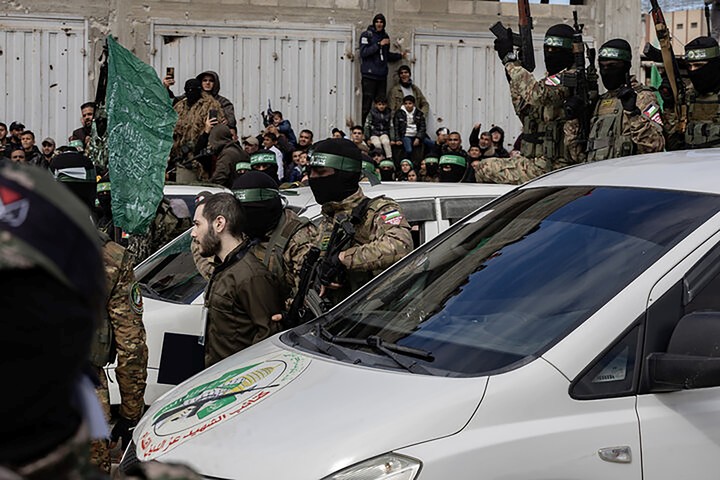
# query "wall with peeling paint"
(132, 22)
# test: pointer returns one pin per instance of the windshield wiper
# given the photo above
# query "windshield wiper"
(319, 344)
(393, 351)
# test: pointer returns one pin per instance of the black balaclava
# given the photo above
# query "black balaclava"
(193, 91)
(346, 159)
(458, 167)
(431, 167)
(260, 216)
(613, 76)
(264, 156)
(705, 79)
(407, 84)
(77, 173)
(560, 37)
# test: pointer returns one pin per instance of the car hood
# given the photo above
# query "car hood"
(269, 402)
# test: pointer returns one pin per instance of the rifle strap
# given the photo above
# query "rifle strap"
(357, 216)
(280, 237)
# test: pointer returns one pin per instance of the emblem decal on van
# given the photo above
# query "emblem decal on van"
(208, 405)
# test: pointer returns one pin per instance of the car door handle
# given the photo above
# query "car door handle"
(621, 454)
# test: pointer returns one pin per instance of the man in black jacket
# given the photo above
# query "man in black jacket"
(374, 57)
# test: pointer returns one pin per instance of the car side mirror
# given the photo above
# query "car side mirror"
(693, 355)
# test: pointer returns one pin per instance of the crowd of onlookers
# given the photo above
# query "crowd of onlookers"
(393, 135)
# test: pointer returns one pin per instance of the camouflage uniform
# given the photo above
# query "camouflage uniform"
(539, 104)
(189, 127)
(616, 133)
(127, 336)
(168, 223)
(380, 240)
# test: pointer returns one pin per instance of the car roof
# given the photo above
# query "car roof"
(691, 170)
(302, 198)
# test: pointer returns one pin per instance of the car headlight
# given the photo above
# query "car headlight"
(390, 466)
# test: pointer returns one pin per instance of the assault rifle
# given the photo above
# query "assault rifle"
(583, 81)
(524, 40)
(672, 70)
(316, 272)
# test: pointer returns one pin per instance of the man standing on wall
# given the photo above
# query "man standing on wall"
(374, 57)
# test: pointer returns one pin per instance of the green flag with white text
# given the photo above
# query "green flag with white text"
(140, 127)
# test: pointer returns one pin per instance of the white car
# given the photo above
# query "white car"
(173, 289)
(569, 330)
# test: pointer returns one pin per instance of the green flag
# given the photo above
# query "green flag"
(140, 127)
(655, 81)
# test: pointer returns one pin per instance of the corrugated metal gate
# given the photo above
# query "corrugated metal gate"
(465, 83)
(305, 71)
(44, 68)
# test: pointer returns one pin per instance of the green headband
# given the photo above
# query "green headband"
(242, 166)
(405, 160)
(319, 159)
(453, 160)
(560, 42)
(431, 160)
(103, 187)
(255, 194)
(609, 53)
(387, 163)
(702, 54)
(75, 174)
(368, 166)
(259, 158)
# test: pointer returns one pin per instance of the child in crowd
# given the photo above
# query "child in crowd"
(409, 125)
(285, 128)
(377, 126)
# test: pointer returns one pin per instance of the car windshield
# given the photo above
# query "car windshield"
(508, 283)
(170, 274)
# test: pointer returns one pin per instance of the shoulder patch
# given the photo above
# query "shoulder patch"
(553, 81)
(653, 113)
(393, 217)
(136, 300)
(364, 40)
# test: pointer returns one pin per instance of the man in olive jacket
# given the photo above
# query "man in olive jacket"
(242, 294)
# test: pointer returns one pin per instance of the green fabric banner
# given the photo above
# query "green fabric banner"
(655, 81)
(140, 127)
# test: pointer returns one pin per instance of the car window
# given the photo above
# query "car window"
(170, 274)
(512, 281)
(417, 212)
(453, 209)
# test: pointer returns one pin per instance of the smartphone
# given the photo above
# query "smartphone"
(213, 114)
(170, 72)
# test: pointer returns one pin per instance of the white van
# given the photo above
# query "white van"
(569, 330)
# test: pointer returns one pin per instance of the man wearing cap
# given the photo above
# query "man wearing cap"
(48, 149)
(703, 99)
(266, 162)
(228, 154)
(626, 120)
(242, 294)
(251, 145)
(121, 333)
(382, 233)
(539, 105)
(16, 129)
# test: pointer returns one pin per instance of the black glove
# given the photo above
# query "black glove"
(666, 94)
(504, 46)
(122, 431)
(331, 270)
(574, 107)
(628, 97)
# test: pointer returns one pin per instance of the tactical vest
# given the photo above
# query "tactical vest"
(703, 127)
(102, 349)
(272, 255)
(541, 138)
(606, 139)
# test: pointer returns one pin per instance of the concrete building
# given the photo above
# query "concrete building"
(301, 55)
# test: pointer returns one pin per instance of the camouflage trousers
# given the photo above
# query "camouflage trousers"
(515, 170)
(99, 449)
